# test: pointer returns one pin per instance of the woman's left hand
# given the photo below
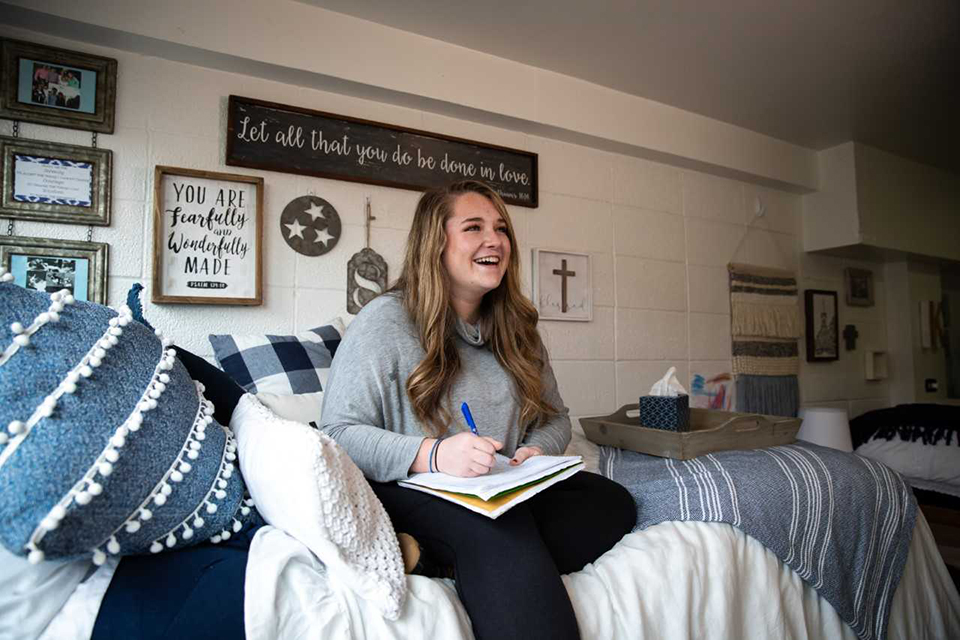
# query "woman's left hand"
(523, 453)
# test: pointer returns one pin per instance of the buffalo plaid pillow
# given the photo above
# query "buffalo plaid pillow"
(280, 364)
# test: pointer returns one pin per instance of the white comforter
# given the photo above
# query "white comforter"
(675, 580)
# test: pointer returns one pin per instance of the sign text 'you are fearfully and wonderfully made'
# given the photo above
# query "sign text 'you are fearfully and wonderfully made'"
(208, 236)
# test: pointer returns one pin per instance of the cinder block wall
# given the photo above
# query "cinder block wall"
(659, 237)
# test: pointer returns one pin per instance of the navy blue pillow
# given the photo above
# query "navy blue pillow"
(106, 444)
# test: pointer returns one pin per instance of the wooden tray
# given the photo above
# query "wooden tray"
(709, 431)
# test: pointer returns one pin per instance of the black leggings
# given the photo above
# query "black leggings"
(508, 570)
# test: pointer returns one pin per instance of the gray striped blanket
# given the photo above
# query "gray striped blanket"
(841, 521)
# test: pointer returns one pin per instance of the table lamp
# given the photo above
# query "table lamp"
(826, 427)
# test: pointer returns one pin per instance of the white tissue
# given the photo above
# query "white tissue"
(668, 385)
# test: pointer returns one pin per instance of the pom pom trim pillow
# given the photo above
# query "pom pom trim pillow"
(283, 365)
(107, 446)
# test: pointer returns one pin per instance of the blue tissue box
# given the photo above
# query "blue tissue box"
(671, 413)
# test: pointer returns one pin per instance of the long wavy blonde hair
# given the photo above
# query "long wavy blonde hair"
(508, 318)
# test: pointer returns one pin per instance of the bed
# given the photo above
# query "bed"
(922, 442)
(672, 580)
(675, 579)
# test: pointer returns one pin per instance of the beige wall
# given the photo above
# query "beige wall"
(831, 214)
(289, 38)
(659, 235)
(873, 198)
(907, 206)
(842, 383)
(924, 280)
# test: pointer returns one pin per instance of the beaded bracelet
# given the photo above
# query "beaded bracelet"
(433, 451)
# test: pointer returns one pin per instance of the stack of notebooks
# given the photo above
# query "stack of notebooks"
(503, 488)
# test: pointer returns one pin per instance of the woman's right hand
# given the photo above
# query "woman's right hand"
(466, 455)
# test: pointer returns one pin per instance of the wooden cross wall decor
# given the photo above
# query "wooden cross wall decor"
(569, 296)
(850, 335)
(564, 273)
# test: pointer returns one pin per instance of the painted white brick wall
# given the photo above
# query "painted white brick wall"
(659, 237)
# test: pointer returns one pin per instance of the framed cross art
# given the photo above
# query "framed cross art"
(562, 285)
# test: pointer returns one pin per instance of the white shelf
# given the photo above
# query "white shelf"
(875, 365)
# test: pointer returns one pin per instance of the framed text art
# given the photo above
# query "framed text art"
(822, 325)
(277, 137)
(50, 265)
(55, 182)
(57, 87)
(562, 285)
(207, 237)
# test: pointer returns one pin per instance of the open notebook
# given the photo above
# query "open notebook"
(501, 489)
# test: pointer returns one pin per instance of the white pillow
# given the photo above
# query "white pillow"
(303, 483)
(931, 462)
(299, 407)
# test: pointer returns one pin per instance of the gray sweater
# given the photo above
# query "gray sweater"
(367, 411)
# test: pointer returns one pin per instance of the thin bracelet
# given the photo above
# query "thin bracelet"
(433, 451)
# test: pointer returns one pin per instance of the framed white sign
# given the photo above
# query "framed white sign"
(207, 237)
(54, 182)
(562, 285)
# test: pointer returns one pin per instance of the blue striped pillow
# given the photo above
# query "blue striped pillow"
(106, 444)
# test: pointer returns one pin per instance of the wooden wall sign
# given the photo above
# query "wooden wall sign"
(207, 237)
(266, 135)
(310, 225)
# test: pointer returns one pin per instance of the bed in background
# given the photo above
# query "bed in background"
(921, 442)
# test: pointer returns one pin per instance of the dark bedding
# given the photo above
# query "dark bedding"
(927, 423)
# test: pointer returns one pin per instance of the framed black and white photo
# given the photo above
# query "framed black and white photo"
(859, 285)
(207, 237)
(562, 285)
(822, 325)
(57, 87)
(50, 265)
(55, 182)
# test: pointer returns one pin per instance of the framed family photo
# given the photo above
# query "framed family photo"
(57, 87)
(207, 237)
(55, 182)
(50, 265)
(822, 325)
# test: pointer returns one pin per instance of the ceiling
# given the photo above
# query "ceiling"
(812, 72)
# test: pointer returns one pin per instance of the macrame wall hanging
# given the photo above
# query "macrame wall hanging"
(765, 327)
(366, 273)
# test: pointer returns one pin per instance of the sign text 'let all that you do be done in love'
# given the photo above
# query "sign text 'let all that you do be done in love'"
(265, 135)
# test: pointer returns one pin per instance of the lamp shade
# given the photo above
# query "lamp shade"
(826, 427)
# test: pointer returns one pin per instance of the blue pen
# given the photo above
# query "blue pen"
(466, 414)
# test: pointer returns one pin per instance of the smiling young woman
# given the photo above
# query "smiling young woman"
(456, 327)
(476, 253)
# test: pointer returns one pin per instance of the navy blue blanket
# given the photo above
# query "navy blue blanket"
(841, 521)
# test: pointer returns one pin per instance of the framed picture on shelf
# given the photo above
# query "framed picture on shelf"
(822, 325)
(562, 285)
(50, 265)
(55, 182)
(859, 285)
(57, 87)
(208, 237)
